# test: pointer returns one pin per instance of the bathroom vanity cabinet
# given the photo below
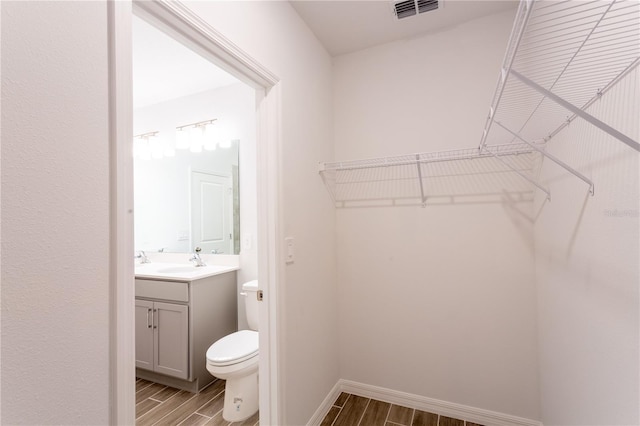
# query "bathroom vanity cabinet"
(176, 322)
(162, 337)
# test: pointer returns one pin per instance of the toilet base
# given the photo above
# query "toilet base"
(240, 398)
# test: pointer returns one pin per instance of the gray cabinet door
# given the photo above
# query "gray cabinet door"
(171, 335)
(144, 334)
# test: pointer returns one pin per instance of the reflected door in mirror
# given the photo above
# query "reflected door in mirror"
(211, 212)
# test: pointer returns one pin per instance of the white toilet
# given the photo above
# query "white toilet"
(234, 358)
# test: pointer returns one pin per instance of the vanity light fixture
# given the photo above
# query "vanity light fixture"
(155, 145)
(210, 137)
(143, 145)
(195, 136)
(196, 139)
(182, 138)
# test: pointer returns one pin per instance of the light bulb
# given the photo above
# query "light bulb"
(182, 139)
(196, 138)
(169, 147)
(155, 145)
(209, 137)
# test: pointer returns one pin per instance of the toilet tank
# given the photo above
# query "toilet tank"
(250, 290)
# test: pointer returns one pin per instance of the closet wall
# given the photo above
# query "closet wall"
(439, 301)
(587, 269)
(274, 34)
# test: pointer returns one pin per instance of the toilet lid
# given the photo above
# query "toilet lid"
(234, 348)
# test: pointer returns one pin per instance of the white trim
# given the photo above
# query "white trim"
(270, 274)
(122, 311)
(418, 402)
(326, 405)
(204, 39)
(175, 19)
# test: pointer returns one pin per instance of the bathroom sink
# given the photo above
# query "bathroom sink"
(177, 269)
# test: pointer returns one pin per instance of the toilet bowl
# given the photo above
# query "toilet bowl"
(234, 358)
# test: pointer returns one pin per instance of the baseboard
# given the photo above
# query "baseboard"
(326, 405)
(436, 406)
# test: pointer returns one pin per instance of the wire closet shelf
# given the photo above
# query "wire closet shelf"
(412, 179)
(561, 58)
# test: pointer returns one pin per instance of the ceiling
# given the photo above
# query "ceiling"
(346, 26)
(164, 69)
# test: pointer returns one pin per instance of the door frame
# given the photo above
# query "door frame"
(178, 21)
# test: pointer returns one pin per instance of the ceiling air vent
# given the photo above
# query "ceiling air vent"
(427, 5)
(404, 9)
(407, 8)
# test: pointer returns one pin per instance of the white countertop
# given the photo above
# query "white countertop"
(180, 271)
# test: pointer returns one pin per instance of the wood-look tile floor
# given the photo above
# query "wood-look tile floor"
(353, 410)
(165, 406)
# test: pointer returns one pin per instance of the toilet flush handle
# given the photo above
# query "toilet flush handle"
(243, 293)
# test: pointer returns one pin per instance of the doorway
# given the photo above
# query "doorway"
(180, 23)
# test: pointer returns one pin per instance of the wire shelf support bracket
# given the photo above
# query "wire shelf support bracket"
(422, 196)
(506, 163)
(554, 159)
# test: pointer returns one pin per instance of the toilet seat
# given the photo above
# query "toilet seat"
(233, 349)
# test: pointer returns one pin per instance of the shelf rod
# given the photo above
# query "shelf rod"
(577, 111)
(497, 157)
(552, 158)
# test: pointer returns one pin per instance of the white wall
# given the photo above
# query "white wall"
(440, 301)
(274, 34)
(587, 270)
(55, 213)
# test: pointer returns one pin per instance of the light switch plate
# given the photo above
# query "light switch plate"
(247, 241)
(290, 246)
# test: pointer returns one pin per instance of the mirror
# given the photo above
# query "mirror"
(188, 200)
(189, 120)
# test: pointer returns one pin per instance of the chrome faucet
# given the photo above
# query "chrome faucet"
(196, 258)
(143, 257)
